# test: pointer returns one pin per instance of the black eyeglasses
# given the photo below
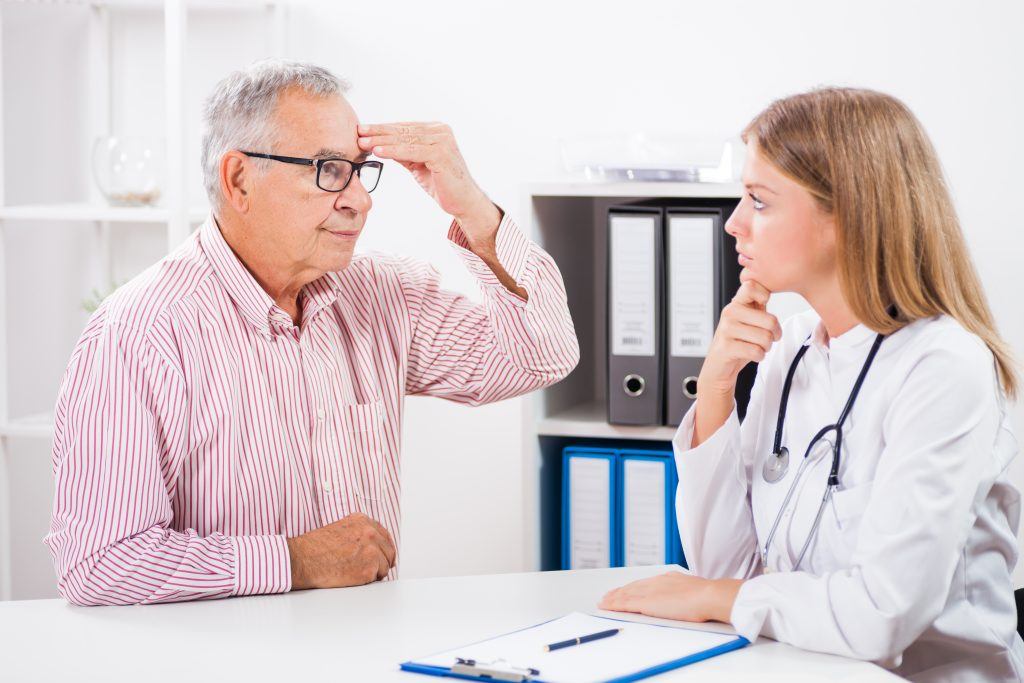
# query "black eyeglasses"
(334, 175)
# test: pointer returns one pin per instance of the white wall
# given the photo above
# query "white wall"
(511, 78)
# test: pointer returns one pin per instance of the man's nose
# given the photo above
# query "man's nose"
(354, 197)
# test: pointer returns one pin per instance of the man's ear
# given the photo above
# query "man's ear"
(236, 176)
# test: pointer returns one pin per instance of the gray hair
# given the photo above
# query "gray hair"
(238, 114)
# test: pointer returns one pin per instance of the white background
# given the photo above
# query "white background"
(511, 78)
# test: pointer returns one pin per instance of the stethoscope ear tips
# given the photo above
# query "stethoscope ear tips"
(776, 466)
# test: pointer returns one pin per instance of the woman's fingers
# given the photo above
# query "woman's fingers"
(752, 334)
(752, 293)
(757, 318)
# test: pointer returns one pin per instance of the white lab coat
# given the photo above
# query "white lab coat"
(911, 564)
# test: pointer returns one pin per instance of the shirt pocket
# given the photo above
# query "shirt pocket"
(361, 439)
(841, 523)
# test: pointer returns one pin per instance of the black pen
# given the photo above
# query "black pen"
(582, 639)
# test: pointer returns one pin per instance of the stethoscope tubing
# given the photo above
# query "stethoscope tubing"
(833, 479)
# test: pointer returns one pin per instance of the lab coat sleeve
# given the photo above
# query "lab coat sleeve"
(944, 447)
(716, 526)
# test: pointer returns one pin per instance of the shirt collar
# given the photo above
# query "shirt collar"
(852, 338)
(255, 305)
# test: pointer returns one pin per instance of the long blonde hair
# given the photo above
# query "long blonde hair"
(866, 159)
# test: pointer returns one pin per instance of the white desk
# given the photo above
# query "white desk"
(348, 634)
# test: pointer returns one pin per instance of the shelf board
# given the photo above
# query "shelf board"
(94, 212)
(590, 420)
(159, 4)
(31, 426)
(601, 189)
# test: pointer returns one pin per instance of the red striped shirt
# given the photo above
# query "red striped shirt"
(197, 428)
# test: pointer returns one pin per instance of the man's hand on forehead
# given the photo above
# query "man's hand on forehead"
(429, 152)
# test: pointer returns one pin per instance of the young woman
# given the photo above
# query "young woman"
(862, 508)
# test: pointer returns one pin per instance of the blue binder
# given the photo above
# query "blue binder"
(617, 459)
(673, 547)
(608, 456)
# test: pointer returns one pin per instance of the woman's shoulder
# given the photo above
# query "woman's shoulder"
(941, 335)
(939, 353)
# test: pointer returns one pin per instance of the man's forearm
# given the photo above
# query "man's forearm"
(481, 231)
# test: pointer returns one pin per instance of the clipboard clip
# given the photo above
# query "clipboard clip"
(498, 670)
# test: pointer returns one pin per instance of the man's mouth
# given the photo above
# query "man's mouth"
(344, 234)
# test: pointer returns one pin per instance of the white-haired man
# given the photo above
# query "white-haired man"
(229, 422)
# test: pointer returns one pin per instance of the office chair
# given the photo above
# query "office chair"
(1018, 597)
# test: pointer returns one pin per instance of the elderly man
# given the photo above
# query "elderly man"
(229, 422)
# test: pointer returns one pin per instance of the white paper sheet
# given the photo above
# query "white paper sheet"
(635, 648)
(589, 513)
(643, 514)
(633, 276)
(691, 275)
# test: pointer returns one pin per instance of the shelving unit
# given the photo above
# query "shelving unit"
(569, 221)
(92, 212)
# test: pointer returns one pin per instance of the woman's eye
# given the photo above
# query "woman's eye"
(758, 204)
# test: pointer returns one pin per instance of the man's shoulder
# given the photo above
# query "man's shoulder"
(376, 268)
(158, 291)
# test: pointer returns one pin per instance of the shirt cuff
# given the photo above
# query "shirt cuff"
(717, 442)
(513, 252)
(750, 612)
(699, 462)
(262, 565)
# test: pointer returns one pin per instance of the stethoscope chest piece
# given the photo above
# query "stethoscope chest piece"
(776, 466)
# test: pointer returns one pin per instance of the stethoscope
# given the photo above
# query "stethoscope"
(777, 464)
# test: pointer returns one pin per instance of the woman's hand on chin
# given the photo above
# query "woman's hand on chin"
(675, 595)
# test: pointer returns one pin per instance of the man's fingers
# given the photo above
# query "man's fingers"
(382, 567)
(401, 128)
(407, 153)
(368, 142)
(387, 545)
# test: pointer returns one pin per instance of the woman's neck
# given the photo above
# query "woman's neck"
(831, 306)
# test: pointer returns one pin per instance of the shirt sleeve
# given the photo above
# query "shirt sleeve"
(120, 435)
(716, 525)
(477, 353)
(946, 442)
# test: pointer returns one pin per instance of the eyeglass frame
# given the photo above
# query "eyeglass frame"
(319, 163)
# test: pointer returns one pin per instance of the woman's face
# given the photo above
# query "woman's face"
(786, 242)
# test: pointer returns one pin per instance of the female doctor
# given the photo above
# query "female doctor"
(862, 508)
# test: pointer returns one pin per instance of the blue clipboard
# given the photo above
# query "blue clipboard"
(491, 675)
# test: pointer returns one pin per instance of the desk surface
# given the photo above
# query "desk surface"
(349, 634)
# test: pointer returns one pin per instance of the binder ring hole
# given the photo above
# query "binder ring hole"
(690, 387)
(633, 385)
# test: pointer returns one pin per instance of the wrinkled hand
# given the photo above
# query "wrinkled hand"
(350, 552)
(675, 595)
(429, 152)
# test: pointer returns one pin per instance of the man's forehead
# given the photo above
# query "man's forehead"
(333, 152)
(322, 126)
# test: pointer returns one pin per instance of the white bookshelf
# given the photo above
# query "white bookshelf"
(18, 421)
(94, 213)
(569, 219)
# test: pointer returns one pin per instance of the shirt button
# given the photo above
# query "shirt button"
(320, 414)
(327, 485)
